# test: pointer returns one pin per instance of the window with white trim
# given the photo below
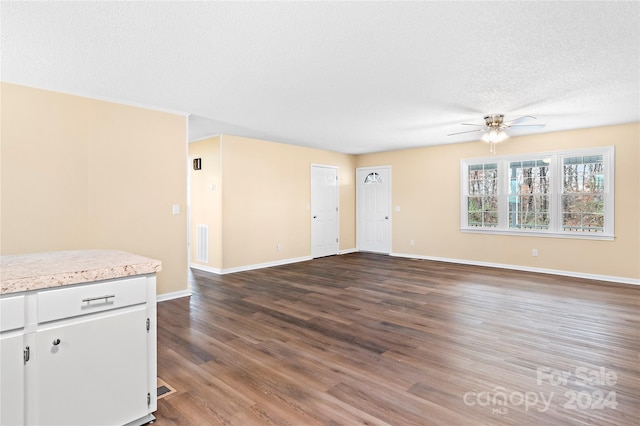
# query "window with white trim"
(529, 194)
(482, 199)
(562, 194)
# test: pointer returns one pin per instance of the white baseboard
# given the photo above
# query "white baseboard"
(174, 295)
(217, 271)
(614, 279)
(251, 267)
(347, 251)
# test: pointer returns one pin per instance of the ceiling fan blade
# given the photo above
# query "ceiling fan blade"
(527, 125)
(468, 131)
(472, 124)
(519, 119)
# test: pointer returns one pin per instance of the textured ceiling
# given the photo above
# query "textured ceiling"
(352, 77)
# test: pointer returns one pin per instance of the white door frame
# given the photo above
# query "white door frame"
(312, 212)
(387, 249)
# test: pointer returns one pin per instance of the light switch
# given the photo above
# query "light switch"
(176, 209)
(397, 208)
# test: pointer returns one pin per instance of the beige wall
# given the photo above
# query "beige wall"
(206, 203)
(43, 170)
(433, 173)
(80, 173)
(266, 194)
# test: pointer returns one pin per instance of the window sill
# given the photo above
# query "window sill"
(546, 234)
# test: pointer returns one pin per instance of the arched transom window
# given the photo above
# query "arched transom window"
(373, 178)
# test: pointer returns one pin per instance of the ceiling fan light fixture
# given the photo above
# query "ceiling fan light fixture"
(493, 130)
(495, 136)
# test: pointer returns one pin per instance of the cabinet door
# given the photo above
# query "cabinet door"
(12, 379)
(92, 370)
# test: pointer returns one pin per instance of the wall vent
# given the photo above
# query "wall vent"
(202, 243)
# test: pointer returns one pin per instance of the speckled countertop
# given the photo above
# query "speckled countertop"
(36, 271)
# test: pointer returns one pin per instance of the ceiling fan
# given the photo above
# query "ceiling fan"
(494, 128)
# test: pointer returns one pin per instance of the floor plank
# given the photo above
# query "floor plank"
(378, 340)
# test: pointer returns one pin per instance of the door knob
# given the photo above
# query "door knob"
(315, 217)
(386, 217)
(56, 342)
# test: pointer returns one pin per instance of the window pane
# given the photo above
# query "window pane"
(571, 204)
(542, 220)
(482, 211)
(483, 183)
(475, 218)
(593, 222)
(593, 204)
(528, 194)
(490, 219)
(529, 177)
(583, 187)
(583, 213)
(583, 222)
(482, 187)
(474, 204)
(583, 174)
(571, 222)
(490, 204)
(529, 212)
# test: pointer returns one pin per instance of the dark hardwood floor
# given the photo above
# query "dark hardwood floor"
(372, 339)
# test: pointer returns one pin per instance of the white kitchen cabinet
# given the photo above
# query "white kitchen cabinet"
(93, 371)
(11, 379)
(12, 359)
(92, 356)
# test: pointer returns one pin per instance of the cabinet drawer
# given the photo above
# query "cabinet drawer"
(11, 313)
(87, 299)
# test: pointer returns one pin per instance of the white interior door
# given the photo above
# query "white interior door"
(324, 211)
(373, 209)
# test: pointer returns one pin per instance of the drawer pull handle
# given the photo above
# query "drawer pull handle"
(56, 342)
(106, 298)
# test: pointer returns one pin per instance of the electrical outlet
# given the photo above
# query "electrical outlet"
(534, 252)
(278, 247)
(412, 242)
